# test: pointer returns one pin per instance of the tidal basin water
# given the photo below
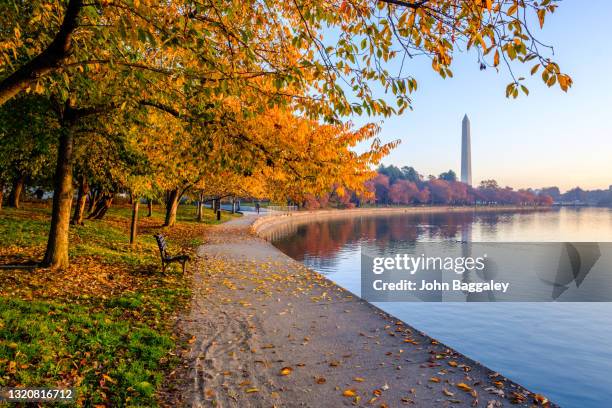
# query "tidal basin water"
(561, 350)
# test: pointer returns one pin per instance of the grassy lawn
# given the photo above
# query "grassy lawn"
(104, 326)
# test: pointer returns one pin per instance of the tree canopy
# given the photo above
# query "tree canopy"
(225, 98)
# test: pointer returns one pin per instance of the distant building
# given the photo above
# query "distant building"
(466, 152)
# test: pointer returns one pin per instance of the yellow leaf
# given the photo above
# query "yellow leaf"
(540, 399)
(286, 371)
(349, 393)
(109, 379)
(251, 390)
(464, 387)
(434, 379)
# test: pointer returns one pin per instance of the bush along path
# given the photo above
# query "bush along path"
(104, 326)
(263, 330)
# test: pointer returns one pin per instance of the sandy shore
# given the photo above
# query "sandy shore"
(265, 331)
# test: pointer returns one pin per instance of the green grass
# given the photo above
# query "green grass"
(98, 238)
(186, 213)
(113, 360)
(26, 233)
(113, 347)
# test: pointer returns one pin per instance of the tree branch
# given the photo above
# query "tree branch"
(415, 5)
(46, 60)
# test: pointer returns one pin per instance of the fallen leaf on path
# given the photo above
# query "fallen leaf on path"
(517, 398)
(359, 379)
(349, 393)
(251, 390)
(448, 393)
(286, 371)
(320, 380)
(434, 379)
(464, 387)
(540, 399)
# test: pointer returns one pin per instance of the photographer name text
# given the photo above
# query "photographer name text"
(436, 286)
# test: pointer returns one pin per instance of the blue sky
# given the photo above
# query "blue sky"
(548, 138)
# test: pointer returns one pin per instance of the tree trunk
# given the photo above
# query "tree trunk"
(16, 191)
(56, 255)
(172, 200)
(200, 205)
(79, 209)
(150, 208)
(1, 194)
(94, 198)
(104, 206)
(134, 223)
(213, 205)
(233, 205)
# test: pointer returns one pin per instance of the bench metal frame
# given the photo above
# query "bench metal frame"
(166, 258)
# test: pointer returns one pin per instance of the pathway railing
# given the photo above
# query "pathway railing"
(280, 209)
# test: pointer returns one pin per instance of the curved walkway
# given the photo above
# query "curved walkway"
(265, 331)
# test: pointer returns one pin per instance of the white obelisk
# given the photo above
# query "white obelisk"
(466, 152)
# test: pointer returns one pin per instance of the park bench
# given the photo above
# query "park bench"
(165, 257)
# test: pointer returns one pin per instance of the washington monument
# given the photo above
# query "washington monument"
(466, 152)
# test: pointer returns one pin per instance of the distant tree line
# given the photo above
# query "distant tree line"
(406, 186)
(601, 198)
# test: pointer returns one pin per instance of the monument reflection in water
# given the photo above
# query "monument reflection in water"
(557, 349)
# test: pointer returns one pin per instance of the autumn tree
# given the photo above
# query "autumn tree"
(28, 134)
(403, 192)
(42, 38)
(379, 186)
(175, 56)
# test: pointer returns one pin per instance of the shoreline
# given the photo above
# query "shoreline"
(264, 330)
(267, 226)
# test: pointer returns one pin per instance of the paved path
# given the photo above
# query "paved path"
(264, 331)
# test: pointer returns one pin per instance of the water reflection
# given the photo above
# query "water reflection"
(560, 350)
